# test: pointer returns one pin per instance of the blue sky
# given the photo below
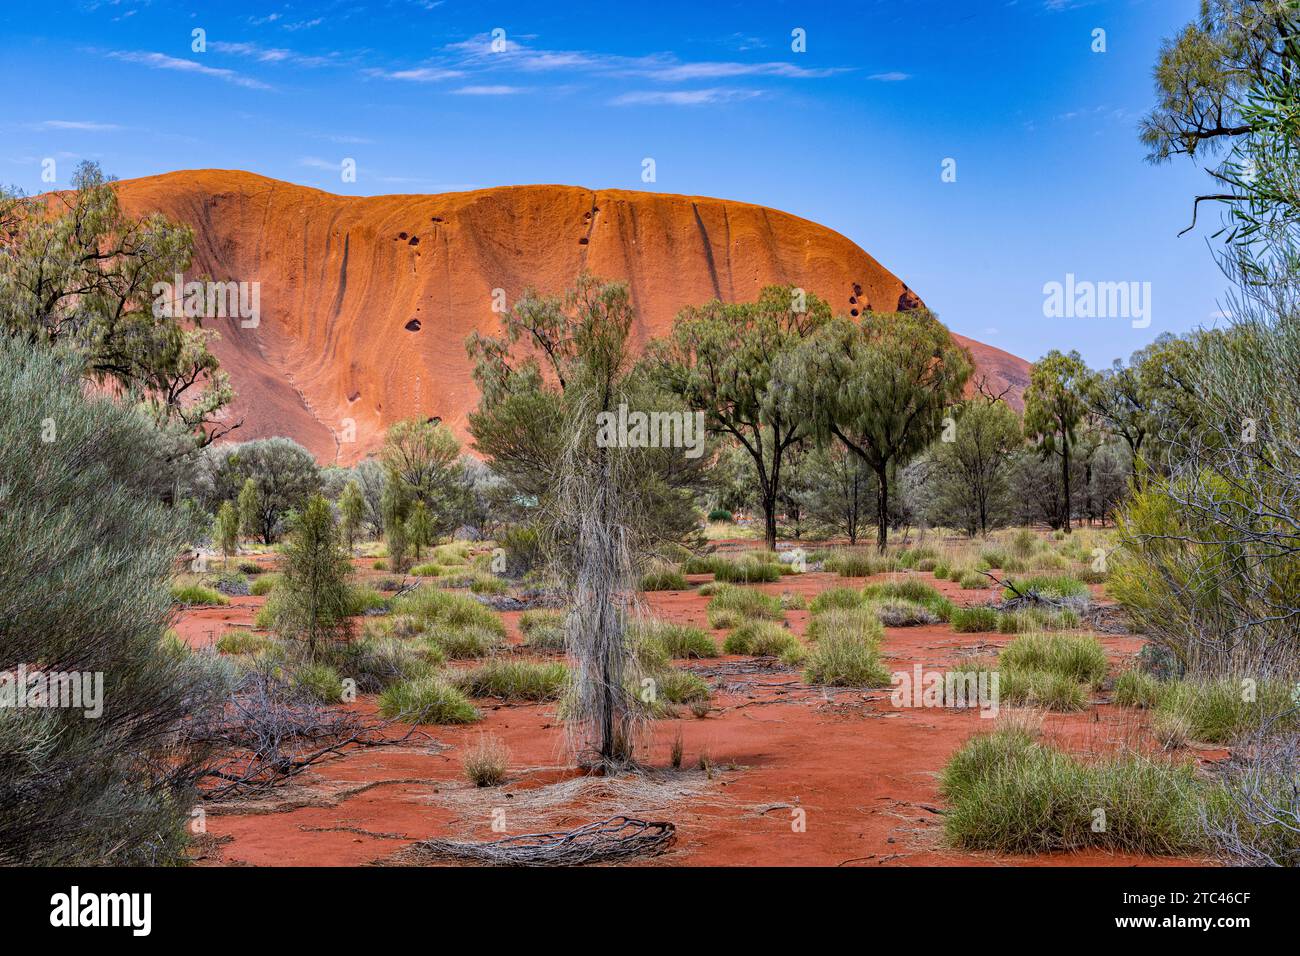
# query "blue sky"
(851, 133)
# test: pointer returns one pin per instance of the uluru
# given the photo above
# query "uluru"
(366, 301)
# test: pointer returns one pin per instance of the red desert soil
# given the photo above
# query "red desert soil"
(366, 301)
(863, 771)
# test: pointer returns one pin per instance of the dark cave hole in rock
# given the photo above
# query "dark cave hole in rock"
(413, 325)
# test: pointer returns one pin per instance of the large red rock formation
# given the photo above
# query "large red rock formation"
(366, 301)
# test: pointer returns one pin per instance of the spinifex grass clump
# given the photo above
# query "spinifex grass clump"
(760, 639)
(1013, 794)
(663, 577)
(966, 620)
(432, 607)
(1055, 671)
(730, 606)
(1214, 711)
(837, 597)
(1057, 587)
(197, 594)
(747, 570)
(897, 612)
(675, 640)
(511, 679)
(912, 589)
(427, 700)
(543, 630)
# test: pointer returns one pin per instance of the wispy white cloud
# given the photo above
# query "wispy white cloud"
(161, 61)
(683, 97)
(891, 77)
(84, 125)
(263, 54)
(424, 74)
(489, 90)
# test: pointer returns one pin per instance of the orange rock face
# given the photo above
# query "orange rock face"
(366, 301)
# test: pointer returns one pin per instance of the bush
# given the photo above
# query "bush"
(1217, 711)
(427, 700)
(523, 547)
(319, 681)
(377, 662)
(1011, 794)
(1023, 543)
(511, 679)
(487, 761)
(190, 595)
(363, 599)
(663, 577)
(483, 583)
(1036, 619)
(966, 620)
(543, 630)
(721, 514)
(427, 570)
(759, 639)
(973, 581)
(736, 603)
(845, 660)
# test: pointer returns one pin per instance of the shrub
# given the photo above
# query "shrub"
(427, 570)
(967, 620)
(941, 571)
(759, 639)
(483, 583)
(721, 514)
(663, 577)
(1078, 658)
(487, 761)
(376, 662)
(844, 660)
(734, 603)
(251, 568)
(1217, 711)
(1011, 794)
(1023, 543)
(314, 600)
(837, 597)
(319, 681)
(511, 679)
(1036, 619)
(543, 630)
(701, 564)
(427, 700)
(190, 595)
(973, 581)
(793, 602)
(523, 547)
(993, 558)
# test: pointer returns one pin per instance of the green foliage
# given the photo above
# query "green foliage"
(1055, 586)
(264, 585)
(319, 681)
(841, 658)
(352, 512)
(1136, 689)
(967, 620)
(759, 639)
(837, 597)
(196, 595)
(86, 554)
(313, 599)
(225, 529)
(732, 602)
(880, 387)
(433, 606)
(746, 569)
(1054, 408)
(676, 640)
(512, 679)
(460, 642)
(1011, 794)
(860, 623)
(680, 687)
(911, 589)
(897, 612)
(729, 359)
(242, 642)
(427, 700)
(275, 478)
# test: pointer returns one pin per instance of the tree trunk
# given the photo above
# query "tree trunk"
(882, 511)
(1065, 475)
(769, 521)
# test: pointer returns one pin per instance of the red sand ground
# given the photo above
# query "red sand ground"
(863, 771)
(345, 279)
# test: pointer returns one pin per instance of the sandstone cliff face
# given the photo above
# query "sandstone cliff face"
(366, 302)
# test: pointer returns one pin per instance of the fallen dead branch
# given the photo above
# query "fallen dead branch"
(618, 838)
